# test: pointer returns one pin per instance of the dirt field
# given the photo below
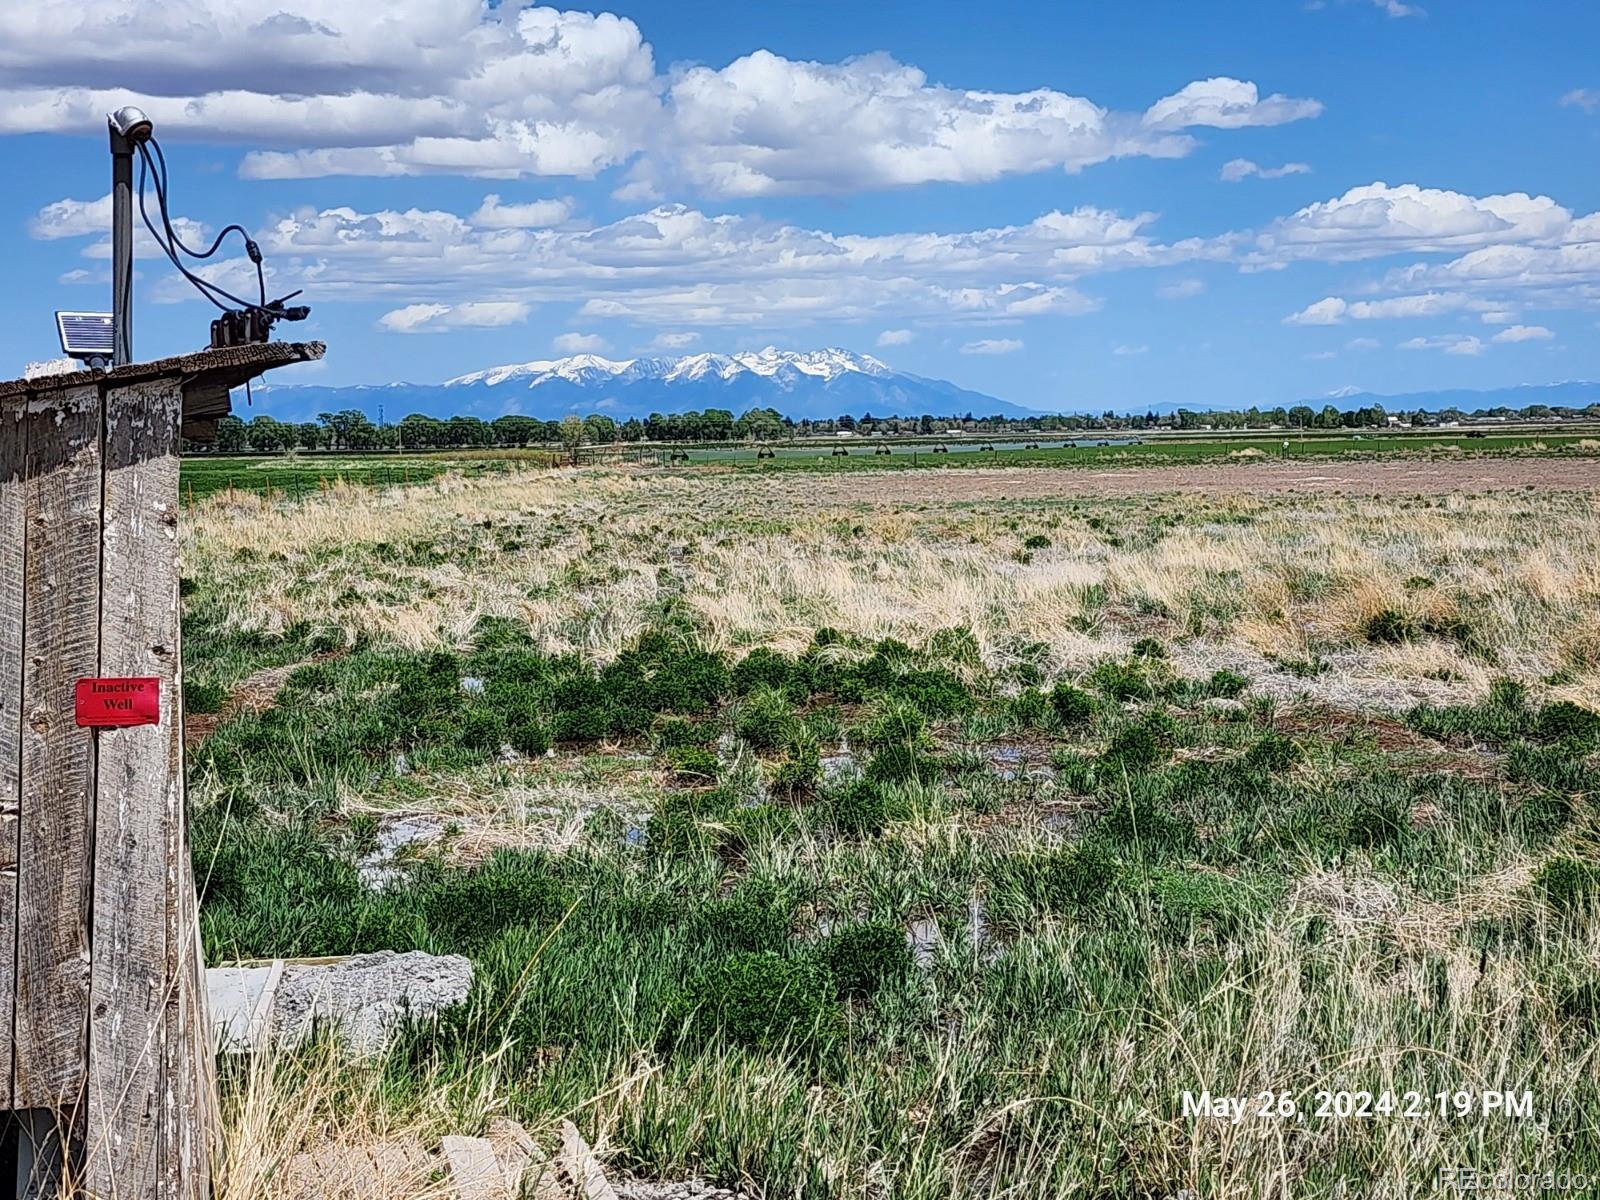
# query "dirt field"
(1393, 477)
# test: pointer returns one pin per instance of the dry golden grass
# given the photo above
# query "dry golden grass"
(587, 559)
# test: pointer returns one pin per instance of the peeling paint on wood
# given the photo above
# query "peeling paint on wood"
(104, 1017)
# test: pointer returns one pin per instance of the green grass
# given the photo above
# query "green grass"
(1185, 903)
(302, 476)
(1152, 450)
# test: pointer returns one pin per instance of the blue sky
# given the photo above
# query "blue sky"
(1065, 205)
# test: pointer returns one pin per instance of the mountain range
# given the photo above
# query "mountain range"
(816, 384)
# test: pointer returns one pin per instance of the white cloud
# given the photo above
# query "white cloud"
(765, 125)
(1129, 351)
(432, 86)
(85, 218)
(992, 346)
(1334, 310)
(1512, 252)
(1225, 103)
(675, 266)
(674, 341)
(1523, 333)
(1377, 219)
(580, 343)
(1321, 355)
(1363, 343)
(1328, 311)
(1237, 169)
(1181, 289)
(322, 87)
(1587, 99)
(436, 318)
(1450, 343)
(535, 214)
(895, 337)
(1393, 8)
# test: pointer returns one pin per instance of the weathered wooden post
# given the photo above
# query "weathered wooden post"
(105, 1049)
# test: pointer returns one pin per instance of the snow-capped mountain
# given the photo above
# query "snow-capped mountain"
(783, 366)
(812, 383)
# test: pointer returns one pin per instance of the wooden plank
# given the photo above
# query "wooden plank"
(199, 1140)
(135, 988)
(228, 367)
(13, 465)
(60, 645)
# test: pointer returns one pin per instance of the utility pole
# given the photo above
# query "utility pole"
(128, 128)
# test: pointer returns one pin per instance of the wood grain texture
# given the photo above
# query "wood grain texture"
(13, 464)
(204, 370)
(134, 989)
(62, 494)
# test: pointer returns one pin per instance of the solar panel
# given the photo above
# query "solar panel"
(85, 335)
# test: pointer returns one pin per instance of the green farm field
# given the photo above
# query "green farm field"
(916, 835)
(1115, 449)
(299, 476)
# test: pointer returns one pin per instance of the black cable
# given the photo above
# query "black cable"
(246, 321)
(203, 286)
(252, 251)
(172, 243)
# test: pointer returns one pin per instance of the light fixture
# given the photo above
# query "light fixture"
(131, 124)
(87, 336)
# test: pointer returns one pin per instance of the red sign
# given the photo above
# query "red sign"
(119, 701)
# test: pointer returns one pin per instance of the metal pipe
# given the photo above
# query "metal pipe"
(121, 250)
(127, 127)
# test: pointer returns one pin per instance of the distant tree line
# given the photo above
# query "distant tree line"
(353, 430)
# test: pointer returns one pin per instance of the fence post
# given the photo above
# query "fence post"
(106, 1056)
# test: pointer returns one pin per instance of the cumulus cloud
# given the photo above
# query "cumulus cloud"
(1330, 310)
(437, 318)
(1450, 343)
(1523, 333)
(767, 125)
(676, 266)
(1181, 289)
(1334, 310)
(319, 87)
(1509, 251)
(674, 341)
(579, 343)
(534, 214)
(1587, 99)
(1362, 343)
(1377, 219)
(992, 346)
(895, 337)
(1226, 104)
(85, 218)
(1128, 351)
(1236, 170)
(324, 88)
